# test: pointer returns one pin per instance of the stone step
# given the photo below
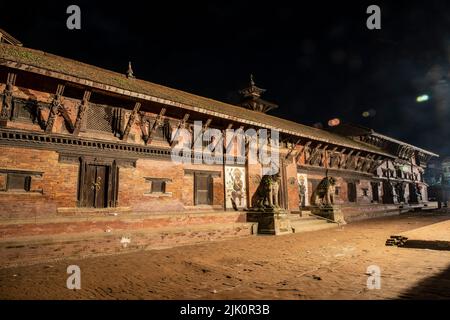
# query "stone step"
(297, 228)
(307, 222)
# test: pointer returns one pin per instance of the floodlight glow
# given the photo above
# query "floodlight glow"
(422, 98)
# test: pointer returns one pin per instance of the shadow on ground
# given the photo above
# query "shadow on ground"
(435, 287)
(430, 245)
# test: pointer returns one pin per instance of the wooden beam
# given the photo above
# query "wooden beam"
(181, 124)
(345, 160)
(82, 112)
(55, 108)
(293, 148)
(301, 151)
(222, 139)
(313, 153)
(6, 103)
(227, 146)
(331, 154)
(155, 125)
(354, 160)
(131, 120)
(205, 126)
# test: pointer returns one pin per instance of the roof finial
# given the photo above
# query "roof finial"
(130, 71)
(252, 80)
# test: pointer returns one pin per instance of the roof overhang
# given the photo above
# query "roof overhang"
(137, 95)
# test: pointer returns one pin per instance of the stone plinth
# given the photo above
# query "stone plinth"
(270, 221)
(330, 212)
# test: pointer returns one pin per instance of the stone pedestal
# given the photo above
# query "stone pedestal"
(270, 221)
(330, 212)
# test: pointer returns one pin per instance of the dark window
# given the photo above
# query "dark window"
(203, 189)
(375, 194)
(18, 182)
(337, 190)
(351, 191)
(158, 186)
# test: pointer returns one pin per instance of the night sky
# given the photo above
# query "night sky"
(316, 59)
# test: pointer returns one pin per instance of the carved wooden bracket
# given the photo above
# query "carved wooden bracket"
(82, 112)
(181, 125)
(301, 151)
(205, 126)
(147, 137)
(292, 148)
(6, 102)
(241, 128)
(315, 153)
(131, 121)
(54, 109)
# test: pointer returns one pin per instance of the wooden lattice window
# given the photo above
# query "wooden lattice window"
(99, 118)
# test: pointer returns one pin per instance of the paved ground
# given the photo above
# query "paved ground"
(327, 264)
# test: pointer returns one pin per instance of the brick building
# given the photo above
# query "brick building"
(87, 152)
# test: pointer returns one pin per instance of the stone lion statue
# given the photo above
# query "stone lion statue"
(266, 196)
(324, 193)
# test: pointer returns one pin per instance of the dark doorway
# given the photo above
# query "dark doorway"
(203, 189)
(98, 184)
(388, 192)
(351, 191)
(413, 198)
(375, 192)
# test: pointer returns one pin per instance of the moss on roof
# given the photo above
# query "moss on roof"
(84, 71)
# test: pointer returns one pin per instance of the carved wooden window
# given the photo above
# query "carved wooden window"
(23, 110)
(99, 118)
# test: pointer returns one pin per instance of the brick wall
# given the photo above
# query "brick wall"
(292, 186)
(58, 183)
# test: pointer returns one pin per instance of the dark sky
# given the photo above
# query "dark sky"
(316, 59)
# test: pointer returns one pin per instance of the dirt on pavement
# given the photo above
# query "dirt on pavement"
(327, 264)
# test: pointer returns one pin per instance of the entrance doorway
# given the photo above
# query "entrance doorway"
(98, 183)
(203, 192)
